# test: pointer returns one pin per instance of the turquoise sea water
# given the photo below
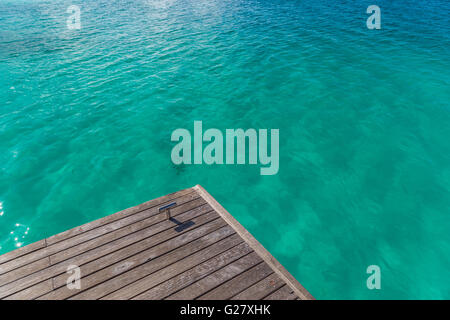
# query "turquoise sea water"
(364, 118)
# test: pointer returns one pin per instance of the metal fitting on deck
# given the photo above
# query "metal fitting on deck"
(167, 208)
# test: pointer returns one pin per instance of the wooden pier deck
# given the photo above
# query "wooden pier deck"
(201, 252)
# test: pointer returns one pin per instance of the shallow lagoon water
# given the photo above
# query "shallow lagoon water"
(364, 118)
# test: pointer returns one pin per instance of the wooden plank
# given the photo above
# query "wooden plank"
(28, 294)
(246, 279)
(122, 266)
(141, 246)
(88, 235)
(138, 254)
(88, 226)
(284, 293)
(215, 279)
(106, 253)
(124, 231)
(22, 251)
(193, 258)
(24, 271)
(200, 271)
(301, 292)
(261, 289)
(118, 215)
(162, 261)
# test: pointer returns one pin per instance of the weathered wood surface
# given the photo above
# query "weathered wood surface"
(202, 252)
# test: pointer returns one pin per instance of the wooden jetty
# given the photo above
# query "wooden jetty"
(182, 246)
